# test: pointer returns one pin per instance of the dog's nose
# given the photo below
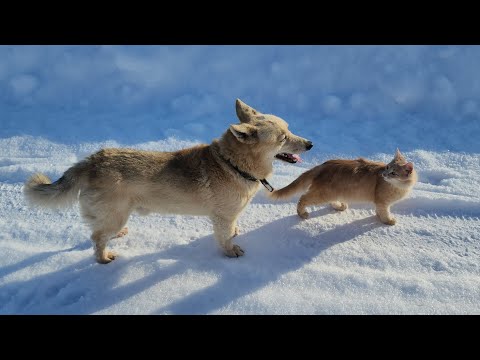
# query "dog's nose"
(309, 145)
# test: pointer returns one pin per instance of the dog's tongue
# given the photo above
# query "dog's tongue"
(297, 158)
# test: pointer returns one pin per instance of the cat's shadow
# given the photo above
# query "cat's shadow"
(265, 261)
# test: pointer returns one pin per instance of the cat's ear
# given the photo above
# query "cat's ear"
(398, 156)
(244, 133)
(408, 167)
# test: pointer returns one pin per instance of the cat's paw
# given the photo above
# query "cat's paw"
(339, 206)
(304, 215)
(390, 221)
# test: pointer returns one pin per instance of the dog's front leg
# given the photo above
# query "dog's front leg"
(224, 231)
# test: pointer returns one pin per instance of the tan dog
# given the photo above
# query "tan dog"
(216, 180)
(340, 181)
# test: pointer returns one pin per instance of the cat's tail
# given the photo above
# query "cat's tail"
(39, 189)
(302, 183)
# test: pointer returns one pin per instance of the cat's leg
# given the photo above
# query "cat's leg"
(383, 212)
(339, 206)
(308, 199)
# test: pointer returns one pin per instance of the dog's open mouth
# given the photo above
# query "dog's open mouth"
(291, 158)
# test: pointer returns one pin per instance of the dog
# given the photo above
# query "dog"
(216, 180)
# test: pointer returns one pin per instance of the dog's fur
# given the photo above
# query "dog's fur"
(340, 181)
(201, 180)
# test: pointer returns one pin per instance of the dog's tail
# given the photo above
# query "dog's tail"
(302, 183)
(40, 191)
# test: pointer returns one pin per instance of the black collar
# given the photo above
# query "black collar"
(246, 175)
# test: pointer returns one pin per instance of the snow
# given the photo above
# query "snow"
(60, 104)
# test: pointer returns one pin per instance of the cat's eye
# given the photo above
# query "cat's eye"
(394, 173)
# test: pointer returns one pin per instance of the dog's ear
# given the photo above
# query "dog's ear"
(245, 113)
(244, 133)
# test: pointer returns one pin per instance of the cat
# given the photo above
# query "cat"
(361, 180)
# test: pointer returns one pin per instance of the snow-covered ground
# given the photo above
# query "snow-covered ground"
(333, 263)
(58, 104)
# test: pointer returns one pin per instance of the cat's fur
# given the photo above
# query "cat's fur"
(340, 181)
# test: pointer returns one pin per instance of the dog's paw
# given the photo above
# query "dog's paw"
(235, 251)
(122, 233)
(390, 221)
(304, 215)
(110, 256)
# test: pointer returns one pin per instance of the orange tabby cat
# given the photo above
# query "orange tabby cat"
(342, 181)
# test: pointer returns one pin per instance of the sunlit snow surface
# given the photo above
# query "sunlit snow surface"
(333, 263)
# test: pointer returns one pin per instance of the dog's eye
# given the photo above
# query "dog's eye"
(394, 173)
(283, 138)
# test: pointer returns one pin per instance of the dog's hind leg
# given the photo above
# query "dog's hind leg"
(100, 239)
(105, 230)
(107, 222)
(224, 231)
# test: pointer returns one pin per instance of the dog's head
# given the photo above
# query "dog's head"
(268, 134)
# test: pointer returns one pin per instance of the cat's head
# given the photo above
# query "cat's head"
(399, 170)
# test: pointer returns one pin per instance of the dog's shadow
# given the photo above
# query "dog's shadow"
(271, 251)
